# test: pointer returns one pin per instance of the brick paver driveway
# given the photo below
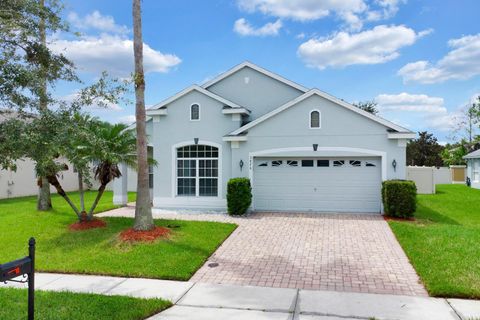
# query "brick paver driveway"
(342, 252)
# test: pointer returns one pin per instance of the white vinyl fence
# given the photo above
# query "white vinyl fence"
(426, 178)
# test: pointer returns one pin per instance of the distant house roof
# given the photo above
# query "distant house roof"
(473, 155)
(6, 115)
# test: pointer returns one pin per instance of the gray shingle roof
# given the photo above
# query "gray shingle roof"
(473, 155)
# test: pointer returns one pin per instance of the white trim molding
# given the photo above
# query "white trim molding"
(402, 135)
(158, 112)
(235, 111)
(195, 199)
(319, 119)
(188, 90)
(258, 69)
(199, 111)
(235, 138)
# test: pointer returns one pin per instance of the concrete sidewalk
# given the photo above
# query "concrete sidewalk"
(208, 301)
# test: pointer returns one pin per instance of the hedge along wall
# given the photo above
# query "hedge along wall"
(399, 198)
(239, 196)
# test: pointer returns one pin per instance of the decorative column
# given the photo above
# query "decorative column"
(120, 187)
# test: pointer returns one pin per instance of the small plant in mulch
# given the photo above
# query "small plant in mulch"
(132, 235)
(88, 224)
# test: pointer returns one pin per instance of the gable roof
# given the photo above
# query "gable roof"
(473, 155)
(331, 98)
(199, 89)
(258, 69)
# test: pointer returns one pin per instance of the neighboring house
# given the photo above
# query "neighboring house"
(23, 181)
(303, 149)
(473, 168)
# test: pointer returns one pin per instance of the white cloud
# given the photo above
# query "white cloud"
(244, 28)
(352, 12)
(419, 111)
(410, 102)
(97, 21)
(107, 46)
(386, 9)
(301, 10)
(377, 45)
(300, 36)
(474, 99)
(113, 54)
(460, 63)
(127, 119)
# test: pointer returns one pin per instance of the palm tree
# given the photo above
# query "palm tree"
(90, 141)
(110, 146)
(143, 210)
(80, 129)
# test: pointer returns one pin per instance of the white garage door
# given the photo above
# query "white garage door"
(320, 185)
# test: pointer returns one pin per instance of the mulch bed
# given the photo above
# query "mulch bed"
(86, 225)
(131, 235)
(398, 219)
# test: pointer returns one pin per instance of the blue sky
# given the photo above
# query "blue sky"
(420, 60)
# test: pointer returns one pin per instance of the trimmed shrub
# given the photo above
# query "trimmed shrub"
(239, 196)
(399, 198)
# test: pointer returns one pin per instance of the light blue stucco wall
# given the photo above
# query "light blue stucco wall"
(261, 94)
(289, 129)
(176, 127)
(340, 127)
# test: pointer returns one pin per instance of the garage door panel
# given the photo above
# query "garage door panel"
(317, 206)
(344, 193)
(323, 189)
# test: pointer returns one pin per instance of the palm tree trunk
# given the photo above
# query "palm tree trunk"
(44, 201)
(143, 210)
(81, 192)
(101, 189)
(54, 182)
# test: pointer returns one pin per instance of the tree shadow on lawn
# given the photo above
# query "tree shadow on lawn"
(427, 215)
(108, 237)
(180, 255)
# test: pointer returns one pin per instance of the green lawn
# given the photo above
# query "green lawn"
(443, 243)
(78, 306)
(98, 251)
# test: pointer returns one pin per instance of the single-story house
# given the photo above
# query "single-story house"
(473, 168)
(303, 149)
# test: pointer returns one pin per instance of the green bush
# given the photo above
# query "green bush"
(239, 196)
(399, 198)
